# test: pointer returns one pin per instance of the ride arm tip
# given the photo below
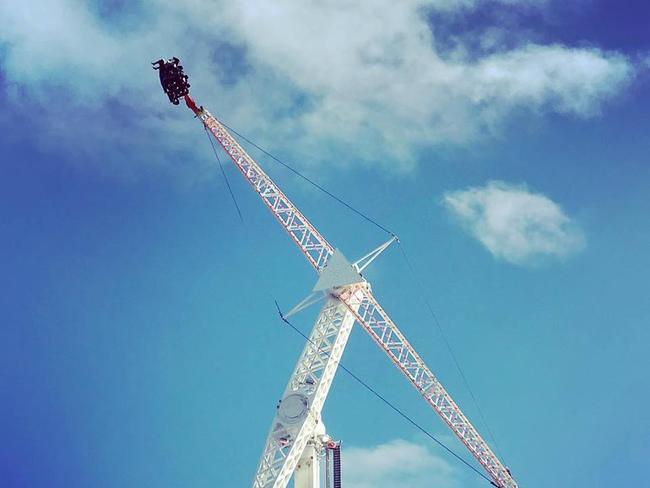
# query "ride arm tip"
(189, 101)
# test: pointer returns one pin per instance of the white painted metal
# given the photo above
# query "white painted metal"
(308, 301)
(307, 473)
(366, 260)
(328, 468)
(299, 413)
(338, 272)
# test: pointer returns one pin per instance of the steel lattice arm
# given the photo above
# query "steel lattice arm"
(299, 412)
(282, 451)
(385, 333)
(312, 244)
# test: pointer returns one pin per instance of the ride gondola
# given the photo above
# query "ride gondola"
(172, 79)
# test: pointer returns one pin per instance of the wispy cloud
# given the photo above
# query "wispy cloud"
(515, 224)
(341, 81)
(396, 464)
(452, 5)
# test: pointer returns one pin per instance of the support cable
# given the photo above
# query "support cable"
(311, 182)
(434, 316)
(385, 400)
(223, 172)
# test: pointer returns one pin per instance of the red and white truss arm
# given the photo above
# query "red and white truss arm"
(385, 333)
(279, 459)
(312, 244)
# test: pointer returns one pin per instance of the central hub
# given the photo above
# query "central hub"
(294, 408)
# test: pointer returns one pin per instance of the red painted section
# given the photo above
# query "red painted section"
(192, 105)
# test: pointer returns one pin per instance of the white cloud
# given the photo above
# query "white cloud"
(377, 76)
(396, 464)
(568, 80)
(338, 80)
(515, 224)
(646, 62)
(451, 5)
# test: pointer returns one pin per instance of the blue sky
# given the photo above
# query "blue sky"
(506, 142)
